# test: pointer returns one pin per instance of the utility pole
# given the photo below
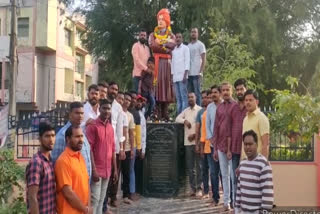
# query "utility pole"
(13, 59)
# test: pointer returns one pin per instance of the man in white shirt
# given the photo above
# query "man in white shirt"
(117, 124)
(91, 108)
(180, 66)
(197, 64)
(188, 118)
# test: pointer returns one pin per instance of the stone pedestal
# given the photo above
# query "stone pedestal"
(163, 167)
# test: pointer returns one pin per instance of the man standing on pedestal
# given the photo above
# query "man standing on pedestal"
(140, 53)
(198, 61)
(188, 118)
(180, 67)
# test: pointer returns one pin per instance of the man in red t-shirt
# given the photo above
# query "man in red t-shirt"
(101, 138)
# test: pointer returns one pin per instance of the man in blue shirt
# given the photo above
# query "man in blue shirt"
(213, 165)
(76, 117)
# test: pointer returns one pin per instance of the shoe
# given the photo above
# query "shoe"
(226, 208)
(114, 204)
(127, 201)
(199, 193)
(134, 197)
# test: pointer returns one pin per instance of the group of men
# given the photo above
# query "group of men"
(228, 139)
(187, 66)
(77, 170)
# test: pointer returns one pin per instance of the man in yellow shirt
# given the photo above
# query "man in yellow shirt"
(256, 121)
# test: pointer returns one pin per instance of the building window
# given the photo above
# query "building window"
(79, 63)
(88, 81)
(23, 27)
(68, 81)
(79, 35)
(79, 89)
(68, 39)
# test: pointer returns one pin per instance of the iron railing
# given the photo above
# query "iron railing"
(283, 148)
(27, 129)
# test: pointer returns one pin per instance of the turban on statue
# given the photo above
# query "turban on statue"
(166, 16)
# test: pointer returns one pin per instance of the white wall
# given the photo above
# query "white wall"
(24, 78)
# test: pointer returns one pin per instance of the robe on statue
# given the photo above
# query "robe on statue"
(163, 88)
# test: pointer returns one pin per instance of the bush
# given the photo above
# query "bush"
(296, 116)
(11, 173)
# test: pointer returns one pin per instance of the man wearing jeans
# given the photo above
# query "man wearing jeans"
(238, 113)
(203, 145)
(213, 165)
(222, 140)
(140, 54)
(197, 64)
(180, 67)
(188, 118)
(101, 138)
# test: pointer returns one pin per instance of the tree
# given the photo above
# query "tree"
(296, 115)
(269, 28)
(228, 60)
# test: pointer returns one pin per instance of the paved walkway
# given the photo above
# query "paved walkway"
(168, 206)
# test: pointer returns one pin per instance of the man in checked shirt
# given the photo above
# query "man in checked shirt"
(40, 178)
(238, 113)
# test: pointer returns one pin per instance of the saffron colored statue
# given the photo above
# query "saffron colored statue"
(162, 42)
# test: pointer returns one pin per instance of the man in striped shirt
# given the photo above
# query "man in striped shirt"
(255, 186)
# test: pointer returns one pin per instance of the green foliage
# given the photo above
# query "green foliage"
(17, 207)
(295, 115)
(273, 29)
(228, 59)
(314, 85)
(11, 174)
(291, 154)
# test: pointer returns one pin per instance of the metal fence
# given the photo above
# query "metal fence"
(27, 143)
(282, 148)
